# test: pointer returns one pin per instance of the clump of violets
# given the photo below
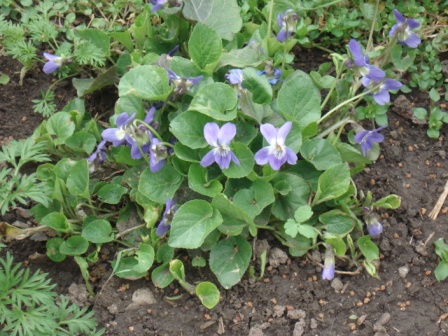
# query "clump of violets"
(329, 261)
(365, 139)
(402, 30)
(220, 139)
(381, 89)
(165, 224)
(361, 63)
(374, 227)
(276, 153)
(53, 63)
(287, 23)
(182, 85)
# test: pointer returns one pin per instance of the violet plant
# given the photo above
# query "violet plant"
(215, 140)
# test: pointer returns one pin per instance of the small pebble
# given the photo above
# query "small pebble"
(403, 271)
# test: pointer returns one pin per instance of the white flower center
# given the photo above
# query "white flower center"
(121, 133)
(277, 148)
(222, 150)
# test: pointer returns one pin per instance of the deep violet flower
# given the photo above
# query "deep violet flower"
(183, 85)
(362, 64)
(374, 227)
(220, 139)
(277, 153)
(366, 139)
(167, 218)
(118, 135)
(381, 95)
(402, 30)
(328, 271)
(54, 63)
(287, 23)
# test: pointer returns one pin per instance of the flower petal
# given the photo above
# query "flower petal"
(291, 157)
(269, 132)
(50, 67)
(413, 23)
(393, 30)
(413, 41)
(375, 73)
(162, 228)
(223, 160)
(400, 18)
(284, 130)
(234, 158)
(262, 156)
(382, 97)
(282, 35)
(392, 84)
(110, 134)
(360, 136)
(211, 131)
(356, 51)
(208, 159)
(276, 163)
(226, 133)
(122, 119)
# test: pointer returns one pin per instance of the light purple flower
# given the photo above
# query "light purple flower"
(167, 218)
(118, 135)
(374, 227)
(235, 77)
(381, 95)
(273, 76)
(362, 62)
(157, 155)
(287, 23)
(54, 63)
(158, 4)
(220, 139)
(366, 139)
(402, 30)
(139, 142)
(277, 153)
(183, 85)
(99, 155)
(328, 271)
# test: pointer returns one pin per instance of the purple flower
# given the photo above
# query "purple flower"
(220, 139)
(157, 155)
(158, 4)
(235, 77)
(118, 135)
(366, 139)
(167, 218)
(374, 227)
(139, 142)
(381, 94)
(287, 23)
(277, 153)
(100, 154)
(274, 75)
(362, 62)
(54, 63)
(328, 271)
(402, 30)
(183, 85)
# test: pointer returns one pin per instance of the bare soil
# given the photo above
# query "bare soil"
(291, 299)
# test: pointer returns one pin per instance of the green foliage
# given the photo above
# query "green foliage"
(28, 305)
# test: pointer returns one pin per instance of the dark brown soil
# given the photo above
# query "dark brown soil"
(291, 297)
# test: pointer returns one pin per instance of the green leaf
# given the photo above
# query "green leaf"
(251, 55)
(177, 270)
(255, 111)
(161, 276)
(368, 248)
(441, 271)
(130, 103)
(81, 141)
(388, 202)
(4, 79)
(337, 223)
(78, 179)
(188, 128)
(299, 99)
(111, 193)
(253, 200)
(441, 249)
(285, 205)
(53, 251)
(148, 82)
(216, 100)
(234, 219)
(434, 95)
(74, 245)
(159, 186)
(145, 258)
(258, 85)
(97, 37)
(246, 159)
(320, 153)
(57, 221)
(198, 181)
(85, 86)
(339, 246)
(192, 223)
(204, 47)
(125, 268)
(333, 183)
(164, 253)
(221, 15)
(307, 231)
(208, 293)
(303, 213)
(60, 126)
(98, 231)
(402, 63)
(229, 260)
(186, 153)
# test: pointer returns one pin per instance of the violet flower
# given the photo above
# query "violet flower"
(235, 77)
(54, 63)
(139, 142)
(118, 135)
(167, 218)
(183, 85)
(220, 139)
(328, 271)
(158, 4)
(366, 139)
(287, 23)
(277, 153)
(374, 227)
(274, 76)
(362, 62)
(381, 95)
(402, 30)
(157, 155)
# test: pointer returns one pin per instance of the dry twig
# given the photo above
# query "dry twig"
(435, 211)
